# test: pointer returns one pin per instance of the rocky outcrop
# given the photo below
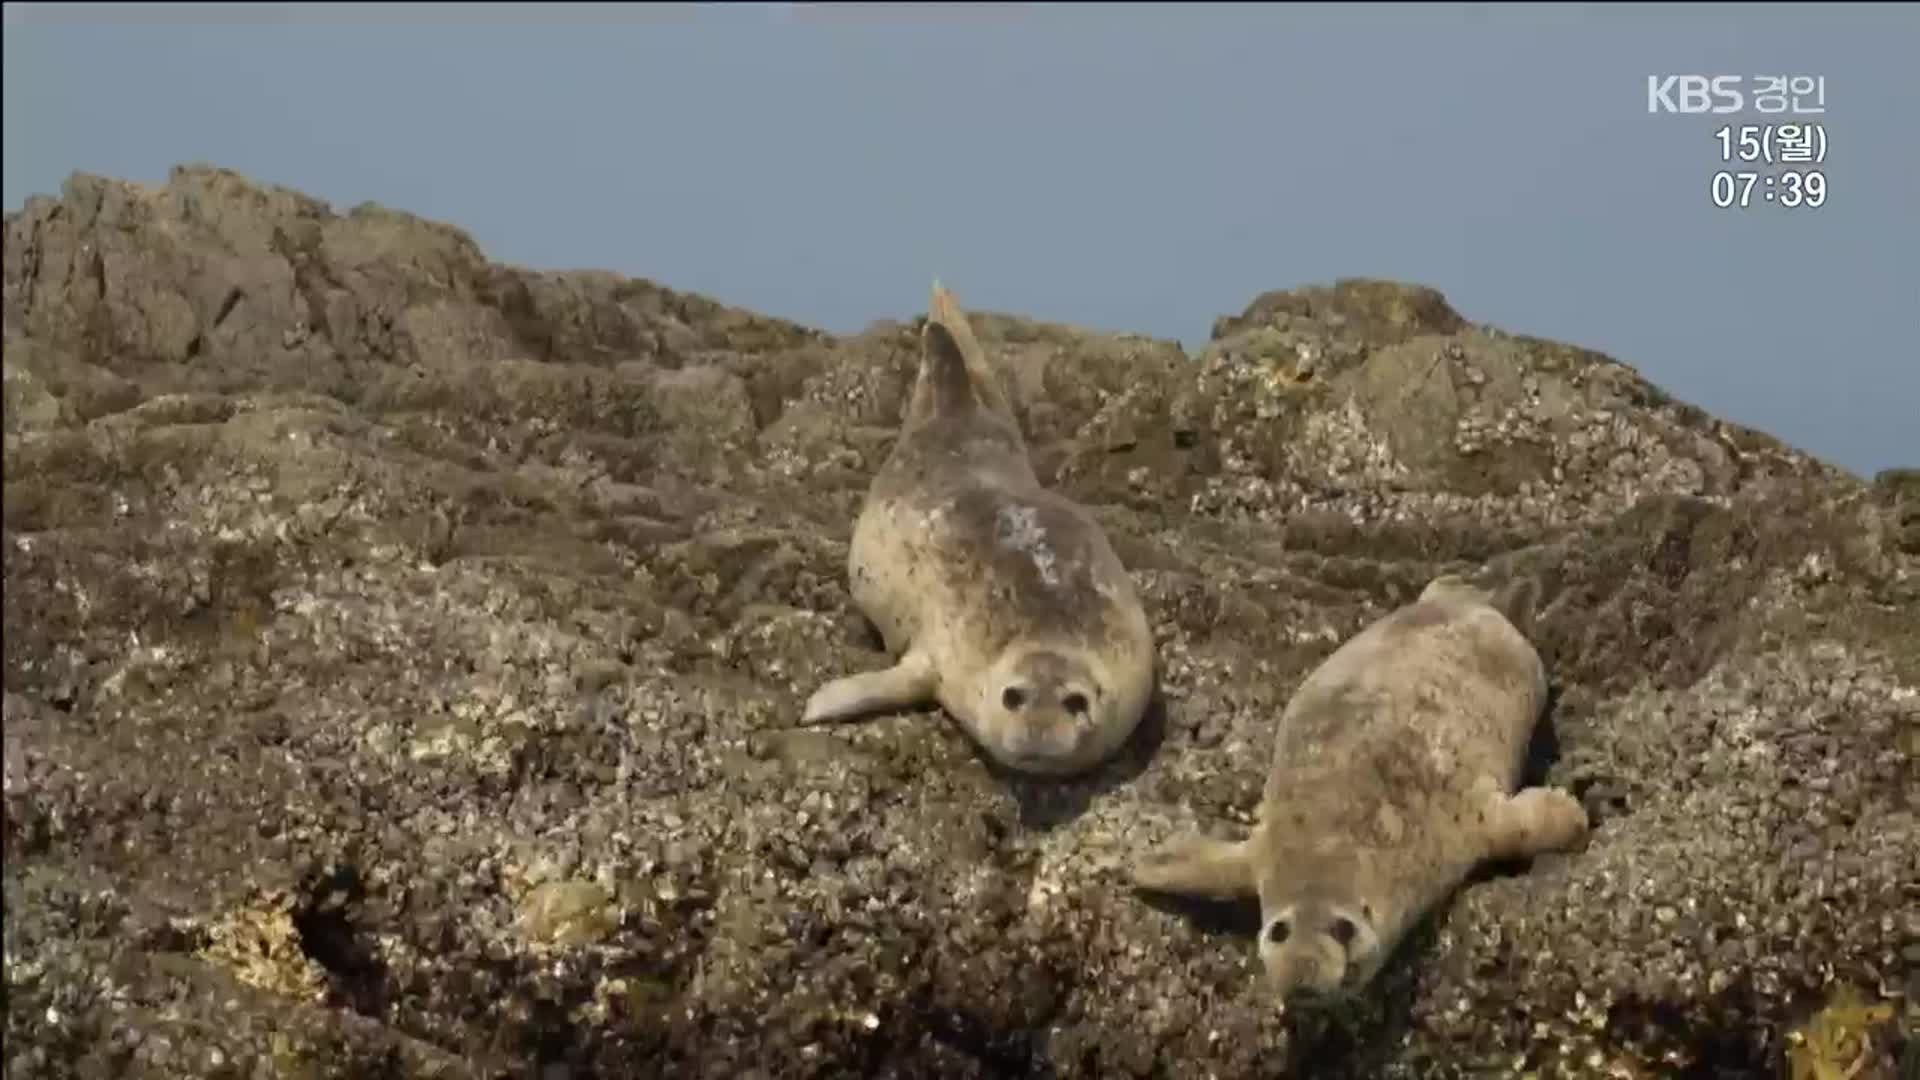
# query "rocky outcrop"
(402, 653)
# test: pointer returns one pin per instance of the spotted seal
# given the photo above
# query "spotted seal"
(1393, 777)
(1001, 600)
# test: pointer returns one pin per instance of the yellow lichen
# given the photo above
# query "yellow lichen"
(569, 913)
(261, 947)
(1833, 1044)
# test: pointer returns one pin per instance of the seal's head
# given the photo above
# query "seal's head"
(1318, 949)
(1047, 710)
(1328, 920)
(1320, 936)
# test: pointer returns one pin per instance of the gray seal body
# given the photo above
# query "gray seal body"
(1002, 600)
(1393, 777)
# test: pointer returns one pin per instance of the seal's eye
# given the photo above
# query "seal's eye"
(1342, 931)
(1277, 933)
(1013, 697)
(1075, 703)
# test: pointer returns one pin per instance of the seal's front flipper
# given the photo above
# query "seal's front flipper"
(908, 683)
(1194, 865)
(1532, 822)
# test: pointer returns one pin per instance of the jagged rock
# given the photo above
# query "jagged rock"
(374, 614)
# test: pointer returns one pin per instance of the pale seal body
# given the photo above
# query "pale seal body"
(1002, 600)
(1392, 780)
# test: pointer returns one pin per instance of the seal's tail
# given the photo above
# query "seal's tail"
(955, 375)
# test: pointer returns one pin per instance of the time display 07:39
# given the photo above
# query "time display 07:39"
(1781, 144)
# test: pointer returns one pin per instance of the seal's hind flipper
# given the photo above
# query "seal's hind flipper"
(955, 375)
(906, 684)
(1195, 865)
(1454, 587)
(1533, 821)
(1519, 601)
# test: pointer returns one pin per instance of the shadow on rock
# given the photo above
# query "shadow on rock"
(331, 937)
(1215, 918)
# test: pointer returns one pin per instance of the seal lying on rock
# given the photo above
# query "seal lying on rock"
(1003, 600)
(1390, 783)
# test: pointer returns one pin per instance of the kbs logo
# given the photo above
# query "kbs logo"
(1694, 94)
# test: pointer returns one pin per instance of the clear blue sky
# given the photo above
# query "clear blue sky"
(1128, 167)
